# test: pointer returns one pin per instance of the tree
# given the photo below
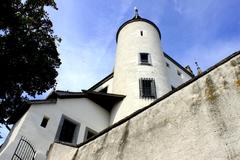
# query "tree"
(28, 53)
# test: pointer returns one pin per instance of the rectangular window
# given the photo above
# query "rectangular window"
(167, 64)
(179, 73)
(89, 133)
(145, 59)
(147, 88)
(44, 122)
(67, 130)
(141, 32)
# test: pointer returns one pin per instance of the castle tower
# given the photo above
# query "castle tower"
(140, 67)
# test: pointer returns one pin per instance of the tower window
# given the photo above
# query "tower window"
(145, 59)
(89, 133)
(141, 33)
(44, 122)
(179, 73)
(167, 64)
(67, 130)
(147, 88)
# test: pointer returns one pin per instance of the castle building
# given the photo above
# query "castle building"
(143, 72)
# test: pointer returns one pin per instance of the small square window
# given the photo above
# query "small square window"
(44, 122)
(167, 64)
(179, 73)
(89, 133)
(145, 59)
(147, 88)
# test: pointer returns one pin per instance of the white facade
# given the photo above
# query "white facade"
(136, 37)
(82, 110)
(122, 92)
(128, 70)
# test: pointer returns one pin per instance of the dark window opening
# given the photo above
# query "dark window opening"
(167, 64)
(89, 133)
(141, 32)
(173, 87)
(144, 58)
(67, 130)
(179, 73)
(147, 88)
(104, 90)
(44, 122)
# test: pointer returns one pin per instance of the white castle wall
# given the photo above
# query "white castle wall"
(201, 121)
(174, 79)
(128, 71)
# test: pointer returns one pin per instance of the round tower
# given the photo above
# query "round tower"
(140, 67)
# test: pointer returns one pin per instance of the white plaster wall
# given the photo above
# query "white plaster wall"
(128, 71)
(8, 148)
(82, 110)
(201, 122)
(174, 79)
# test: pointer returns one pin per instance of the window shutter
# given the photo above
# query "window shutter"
(140, 88)
(153, 88)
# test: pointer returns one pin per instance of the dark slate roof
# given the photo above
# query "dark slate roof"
(65, 94)
(136, 19)
(105, 100)
(23, 109)
(101, 82)
(108, 77)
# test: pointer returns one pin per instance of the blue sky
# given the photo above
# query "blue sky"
(205, 31)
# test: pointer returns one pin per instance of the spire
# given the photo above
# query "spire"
(198, 68)
(136, 12)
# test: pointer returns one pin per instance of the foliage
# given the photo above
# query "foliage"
(28, 52)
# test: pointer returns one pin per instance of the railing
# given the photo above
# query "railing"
(24, 151)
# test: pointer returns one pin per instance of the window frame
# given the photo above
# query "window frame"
(149, 61)
(179, 73)
(143, 94)
(167, 64)
(44, 121)
(87, 129)
(76, 131)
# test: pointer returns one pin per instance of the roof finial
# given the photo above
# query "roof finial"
(198, 68)
(136, 12)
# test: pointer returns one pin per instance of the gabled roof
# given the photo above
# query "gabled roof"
(105, 100)
(108, 77)
(101, 82)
